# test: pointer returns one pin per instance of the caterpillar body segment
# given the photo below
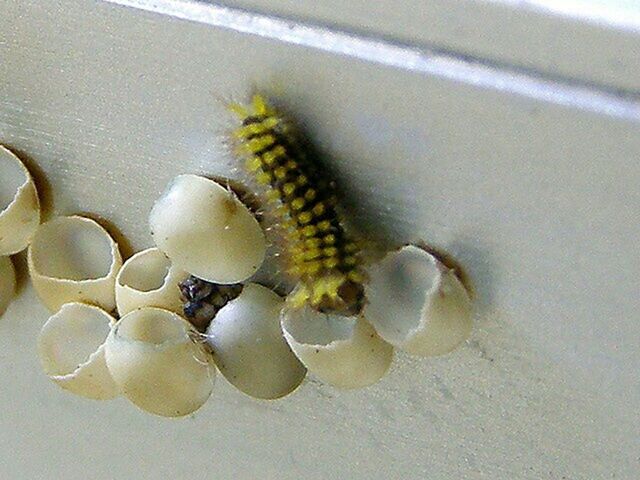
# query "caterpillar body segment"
(320, 254)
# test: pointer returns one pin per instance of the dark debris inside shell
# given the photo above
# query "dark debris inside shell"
(202, 300)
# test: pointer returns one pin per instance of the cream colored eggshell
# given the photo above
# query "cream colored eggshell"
(7, 283)
(249, 348)
(73, 259)
(71, 348)
(149, 279)
(343, 351)
(158, 366)
(205, 230)
(418, 304)
(19, 204)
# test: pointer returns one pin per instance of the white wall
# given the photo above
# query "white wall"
(530, 181)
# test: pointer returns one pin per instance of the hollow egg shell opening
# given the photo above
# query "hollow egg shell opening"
(71, 349)
(73, 259)
(343, 351)
(153, 358)
(418, 304)
(205, 230)
(7, 283)
(19, 204)
(248, 346)
(149, 279)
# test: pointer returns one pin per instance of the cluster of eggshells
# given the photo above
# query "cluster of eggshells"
(119, 328)
(19, 218)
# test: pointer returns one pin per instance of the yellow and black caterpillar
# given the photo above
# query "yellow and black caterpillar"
(322, 256)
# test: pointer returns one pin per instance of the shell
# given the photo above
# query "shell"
(248, 346)
(19, 205)
(156, 363)
(148, 279)
(71, 348)
(343, 351)
(418, 304)
(205, 230)
(73, 259)
(7, 283)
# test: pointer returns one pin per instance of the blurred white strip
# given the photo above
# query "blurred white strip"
(439, 65)
(609, 13)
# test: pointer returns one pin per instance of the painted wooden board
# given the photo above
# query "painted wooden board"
(530, 182)
(588, 41)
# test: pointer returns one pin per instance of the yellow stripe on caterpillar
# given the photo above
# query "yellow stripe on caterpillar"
(288, 188)
(330, 263)
(297, 203)
(256, 128)
(355, 276)
(324, 225)
(318, 209)
(305, 217)
(270, 156)
(330, 252)
(329, 239)
(240, 110)
(312, 243)
(311, 268)
(309, 231)
(273, 195)
(321, 255)
(254, 164)
(312, 254)
(350, 260)
(258, 144)
(260, 105)
(263, 178)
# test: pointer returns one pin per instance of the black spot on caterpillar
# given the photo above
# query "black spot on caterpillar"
(321, 255)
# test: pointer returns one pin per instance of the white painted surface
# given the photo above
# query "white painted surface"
(588, 41)
(532, 186)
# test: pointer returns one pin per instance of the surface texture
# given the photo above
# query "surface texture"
(590, 41)
(529, 183)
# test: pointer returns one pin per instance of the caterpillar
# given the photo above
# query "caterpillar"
(321, 255)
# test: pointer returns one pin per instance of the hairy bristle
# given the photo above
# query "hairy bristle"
(321, 254)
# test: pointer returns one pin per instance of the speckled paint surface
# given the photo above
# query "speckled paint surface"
(537, 199)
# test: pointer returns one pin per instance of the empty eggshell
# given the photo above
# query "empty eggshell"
(205, 230)
(19, 205)
(71, 348)
(149, 279)
(73, 259)
(7, 283)
(418, 304)
(153, 358)
(248, 346)
(343, 351)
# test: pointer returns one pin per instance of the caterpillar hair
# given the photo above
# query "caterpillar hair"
(321, 255)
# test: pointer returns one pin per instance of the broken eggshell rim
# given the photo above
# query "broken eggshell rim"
(136, 257)
(159, 297)
(28, 181)
(190, 333)
(445, 275)
(115, 255)
(67, 380)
